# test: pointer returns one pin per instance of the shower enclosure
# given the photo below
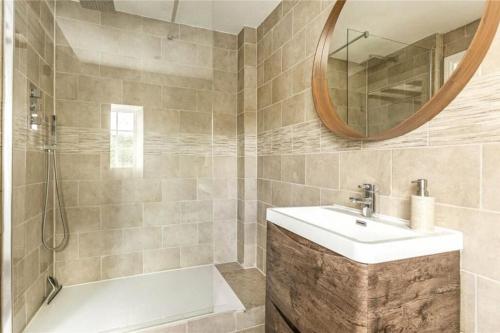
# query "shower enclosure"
(378, 82)
(138, 116)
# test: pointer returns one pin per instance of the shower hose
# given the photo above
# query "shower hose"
(56, 247)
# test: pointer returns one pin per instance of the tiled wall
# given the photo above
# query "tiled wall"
(301, 163)
(247, 146)
(33, 62)
(180, 209)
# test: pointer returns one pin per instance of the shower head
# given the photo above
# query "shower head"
(100, 5)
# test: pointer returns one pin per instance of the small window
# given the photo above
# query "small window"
(126, 136)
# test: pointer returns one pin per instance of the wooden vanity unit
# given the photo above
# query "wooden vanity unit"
(313, 289)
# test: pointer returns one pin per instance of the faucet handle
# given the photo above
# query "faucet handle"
(368, 187)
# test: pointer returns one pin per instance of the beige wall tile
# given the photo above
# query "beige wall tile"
(355, 170)
(180, 235)
(99, 243)
(146, 238)
(322, 170)
(453, 173)
(179, 189)
(220, 323)
(478, 238)
(490, 177)
(142, 94)
(121, 265)
(120, 216)
(467, 302)
(293, 168)
(196, 255)
(179, 98)
(488, 298)
(161, 213)
(282, 32)
(78, 271)
(161, 259)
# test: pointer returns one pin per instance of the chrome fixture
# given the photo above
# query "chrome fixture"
(50, 149)
(56, 288)
(367, 200)
(35, 105)
(365, 34)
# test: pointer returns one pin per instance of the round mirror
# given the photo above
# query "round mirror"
(384, 68)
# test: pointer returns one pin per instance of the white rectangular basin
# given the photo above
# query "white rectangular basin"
(366, 240)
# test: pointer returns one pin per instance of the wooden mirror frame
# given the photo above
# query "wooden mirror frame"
(474, 55)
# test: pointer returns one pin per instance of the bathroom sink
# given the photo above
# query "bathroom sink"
(368, 240)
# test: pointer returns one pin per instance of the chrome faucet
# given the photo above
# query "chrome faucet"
(367, 200)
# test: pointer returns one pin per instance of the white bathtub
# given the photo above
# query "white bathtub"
(131, 303)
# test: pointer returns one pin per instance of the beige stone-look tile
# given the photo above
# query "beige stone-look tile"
(78, 271)
(225, 81)
(161, 259)
(365, 167)
(179, 189)
(224, 166)
(142, 94)
(161, 121)
(79, 166)
(218, 323)
(225, 236)
(195, 122)
(66, 86)
(121, 216)
(490, 177)
(294, 110)
(196, 211)
(78, 114)
(196, 255)
(99, 243)
(35, 295)
(271, 167)
(180, 235)
(272, 66)
(281, 87)
(294, 50)
(304, 12)
(179, 98)
(145, 238)
(160, 28)
(478, 238)
(162, 213)
(100, 90)
(225, 40)
(196, 35)
(467, 302)
(488, 299)
(255, 329)
(121, 265)
(80, 219)
(250, 318)
(193, 166)
(249, 285)
(305, 196)
(282, 32)
(322, 170)
(225, 124)
(293, 168)
(453, 173)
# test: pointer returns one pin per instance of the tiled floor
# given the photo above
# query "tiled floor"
(248, 284)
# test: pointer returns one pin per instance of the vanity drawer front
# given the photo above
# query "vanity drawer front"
(316, 289)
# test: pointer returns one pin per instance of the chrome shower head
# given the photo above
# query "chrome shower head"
(100, 5)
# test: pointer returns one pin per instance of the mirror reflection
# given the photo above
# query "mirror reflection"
(385, 62)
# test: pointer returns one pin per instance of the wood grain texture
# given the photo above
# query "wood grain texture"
(451, 88)
(318, 290)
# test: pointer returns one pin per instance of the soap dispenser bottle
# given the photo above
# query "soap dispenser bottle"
(422, 208)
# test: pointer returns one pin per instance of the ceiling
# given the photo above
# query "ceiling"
(220, 15)
(391, 23)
